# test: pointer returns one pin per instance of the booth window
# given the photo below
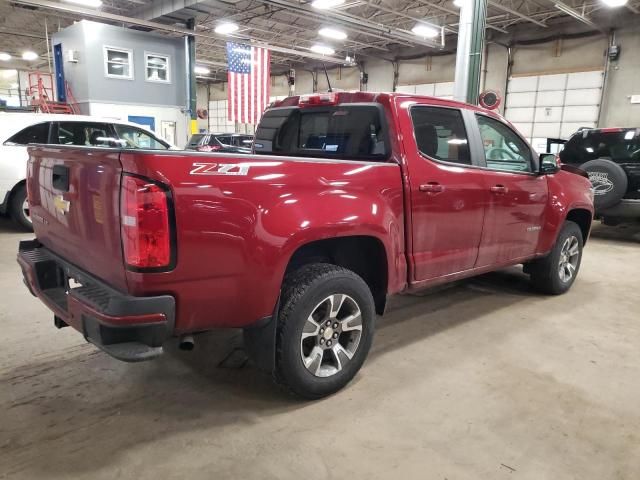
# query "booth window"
(118, 63)
(157, 68)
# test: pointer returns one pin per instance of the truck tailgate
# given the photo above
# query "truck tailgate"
(74, 202)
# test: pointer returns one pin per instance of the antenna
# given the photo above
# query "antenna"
(327, 75)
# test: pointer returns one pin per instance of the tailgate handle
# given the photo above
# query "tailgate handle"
(60, 179)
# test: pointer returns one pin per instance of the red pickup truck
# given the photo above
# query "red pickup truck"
(347, 199)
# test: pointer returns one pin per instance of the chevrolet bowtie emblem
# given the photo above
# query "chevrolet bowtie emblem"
(61, 204)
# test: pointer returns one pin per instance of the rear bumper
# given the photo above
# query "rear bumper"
(627, 208)
(128, 328)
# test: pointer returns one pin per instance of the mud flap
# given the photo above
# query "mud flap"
(260, 341)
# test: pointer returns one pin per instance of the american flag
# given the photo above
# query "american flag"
(249, 82)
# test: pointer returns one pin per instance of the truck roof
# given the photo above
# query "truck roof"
(384, 97)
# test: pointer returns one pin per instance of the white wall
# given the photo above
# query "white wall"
(122, 112)
(556, 57)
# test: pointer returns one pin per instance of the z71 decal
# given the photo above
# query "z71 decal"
(219, 169)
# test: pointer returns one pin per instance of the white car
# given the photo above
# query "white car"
(17, 130)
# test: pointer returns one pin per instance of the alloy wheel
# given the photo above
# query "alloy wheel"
(331, 335)
(569, 257)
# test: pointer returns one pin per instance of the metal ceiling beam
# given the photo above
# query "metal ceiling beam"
(504, 8)
(352, 22)
(393, 11)
(577, 15)
(87, 12)
(158, 8)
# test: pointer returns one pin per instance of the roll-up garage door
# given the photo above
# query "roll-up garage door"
(440, 89)
(553, 106)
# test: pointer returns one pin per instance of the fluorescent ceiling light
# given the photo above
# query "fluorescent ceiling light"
(326, 4)
(29, 55)
(226, 28)
(198, 70)
(332, 33)
(459, 3)
(5, 57)
(614, 3)
(86, 3)
(322, 49)
(425, 31)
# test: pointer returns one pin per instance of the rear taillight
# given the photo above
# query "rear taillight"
(146, 229)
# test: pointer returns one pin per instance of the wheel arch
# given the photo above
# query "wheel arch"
(365, 255)
(583, 218)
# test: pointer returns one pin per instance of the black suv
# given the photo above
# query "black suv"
(221, 142)
(611, 157)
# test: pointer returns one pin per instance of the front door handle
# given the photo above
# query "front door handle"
(431, 187)
(499, 189)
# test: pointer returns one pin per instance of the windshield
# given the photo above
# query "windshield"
(620, 146)
(195, 139)
(343, 131)
(132, 138)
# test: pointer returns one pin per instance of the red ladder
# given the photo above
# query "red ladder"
(41, 94)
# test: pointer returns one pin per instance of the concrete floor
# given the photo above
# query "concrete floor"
(481, 380)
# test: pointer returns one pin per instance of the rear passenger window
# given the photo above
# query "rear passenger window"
(440, 134)
(34, 134)
(85, 134)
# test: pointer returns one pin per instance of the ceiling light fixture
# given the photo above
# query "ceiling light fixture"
(326, 4)
(459, 3)
(5, 57)
(322, 49)
(86, 3)
(29, 55)
(614, 3)
(332, 33)
(199, 70)
(425, 31)
(226, 28)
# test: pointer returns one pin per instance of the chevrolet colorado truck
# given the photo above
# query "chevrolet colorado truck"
(348, 198)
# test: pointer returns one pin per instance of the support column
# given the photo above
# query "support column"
(473, 15)
(190, 46)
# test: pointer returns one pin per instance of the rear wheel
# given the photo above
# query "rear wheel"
(555, 273)
(325, 330)
(20, 208)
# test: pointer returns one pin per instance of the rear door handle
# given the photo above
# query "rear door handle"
(431, 187)
(499, 189)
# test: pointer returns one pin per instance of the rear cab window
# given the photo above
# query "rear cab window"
(346, 131)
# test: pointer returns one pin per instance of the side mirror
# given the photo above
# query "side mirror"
(548, 164)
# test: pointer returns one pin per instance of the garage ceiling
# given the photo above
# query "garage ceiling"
(375, 28)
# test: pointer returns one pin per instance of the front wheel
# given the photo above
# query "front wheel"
(325, 330)
(555, 273)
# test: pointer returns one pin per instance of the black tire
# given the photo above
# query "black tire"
(16, 208)
(546, 275)
(304, 292)
(609, 182)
